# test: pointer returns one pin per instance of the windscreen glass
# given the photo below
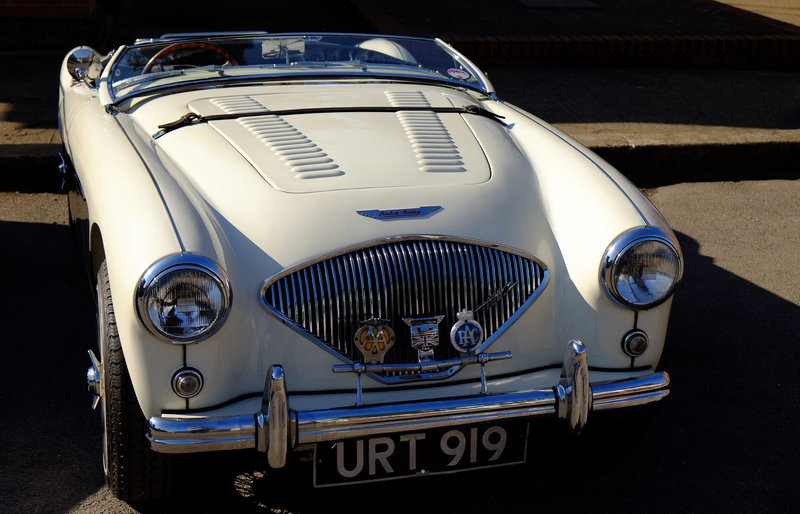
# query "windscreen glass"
(167, 62)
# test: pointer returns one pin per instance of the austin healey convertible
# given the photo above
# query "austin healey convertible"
(347, 246)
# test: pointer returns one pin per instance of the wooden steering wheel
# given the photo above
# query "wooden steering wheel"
(188, 44)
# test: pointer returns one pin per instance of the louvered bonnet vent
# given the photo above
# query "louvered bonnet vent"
(329, 299)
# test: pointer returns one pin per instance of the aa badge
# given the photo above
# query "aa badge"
(467, 333)
(374, 339)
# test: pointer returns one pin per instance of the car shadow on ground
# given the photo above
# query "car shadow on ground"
(50, 439)
(723, 440)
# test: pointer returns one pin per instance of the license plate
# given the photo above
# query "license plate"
(445, 450)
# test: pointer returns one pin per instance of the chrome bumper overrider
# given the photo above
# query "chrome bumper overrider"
(276, 429)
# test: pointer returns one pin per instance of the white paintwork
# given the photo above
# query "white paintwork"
(349, 150)
(117, 190)
(222, 190)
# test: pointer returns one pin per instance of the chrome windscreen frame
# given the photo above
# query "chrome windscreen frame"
(110, 101)
(439, 369)
(106, 95)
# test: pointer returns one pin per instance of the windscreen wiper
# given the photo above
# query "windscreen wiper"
(194, 118)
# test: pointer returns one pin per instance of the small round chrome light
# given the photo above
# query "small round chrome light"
(641, 268)
(187, 382)
(635, 343)
(183, 298)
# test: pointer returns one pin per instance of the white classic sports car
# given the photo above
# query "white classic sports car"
(347, 245)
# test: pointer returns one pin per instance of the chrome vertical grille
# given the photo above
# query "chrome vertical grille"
(330, 299)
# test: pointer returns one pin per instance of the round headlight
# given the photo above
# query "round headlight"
(641, 268)
(183, 298)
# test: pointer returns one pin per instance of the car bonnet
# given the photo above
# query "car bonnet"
(348, 148)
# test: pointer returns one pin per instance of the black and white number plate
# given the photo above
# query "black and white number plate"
(445, 450)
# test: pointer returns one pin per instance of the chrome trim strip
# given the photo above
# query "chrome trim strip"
(106, 92)
(573, 392)
(236, 33)
(94, 377)
(277, 410)
(199, 434)
(488, 88)
(245, 80)
(251, 33)
(428, 366)
(606, 391)
(337, 424)
(630, 401)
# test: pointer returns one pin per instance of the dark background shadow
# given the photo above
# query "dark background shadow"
(712, 98)
(766, 100)
(51, 441)
(706, 102)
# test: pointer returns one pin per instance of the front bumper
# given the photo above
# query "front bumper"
(276, 429)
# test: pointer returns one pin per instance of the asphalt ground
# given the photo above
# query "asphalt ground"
(723, 441)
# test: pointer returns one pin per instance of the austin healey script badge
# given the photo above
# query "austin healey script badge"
(374, 339)
(394, 214)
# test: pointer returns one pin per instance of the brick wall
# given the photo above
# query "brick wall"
(49, 27)
(46, 8)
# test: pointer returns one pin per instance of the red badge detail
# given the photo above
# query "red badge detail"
(458, 73)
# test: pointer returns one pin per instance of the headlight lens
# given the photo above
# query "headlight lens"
(641, 268)
(183, 298)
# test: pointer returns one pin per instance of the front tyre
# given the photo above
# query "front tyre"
(133, 471)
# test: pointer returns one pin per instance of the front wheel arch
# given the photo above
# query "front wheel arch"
(133, 471)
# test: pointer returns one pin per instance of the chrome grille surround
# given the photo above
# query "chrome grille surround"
(327, 299)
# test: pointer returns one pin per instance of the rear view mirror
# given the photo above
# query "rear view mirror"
(291, 49)
(84, 64)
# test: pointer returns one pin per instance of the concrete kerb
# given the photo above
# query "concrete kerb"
(660, 165)
(33, 167)
(646, 166)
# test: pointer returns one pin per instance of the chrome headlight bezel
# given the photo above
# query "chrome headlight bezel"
(175, 263)
(620, 247)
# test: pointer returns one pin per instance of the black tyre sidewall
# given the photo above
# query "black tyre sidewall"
(133, 472)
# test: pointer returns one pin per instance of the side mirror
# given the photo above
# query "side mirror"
(84, 64)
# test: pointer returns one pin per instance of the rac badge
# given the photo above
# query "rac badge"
(467, 333)
(374, 339)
